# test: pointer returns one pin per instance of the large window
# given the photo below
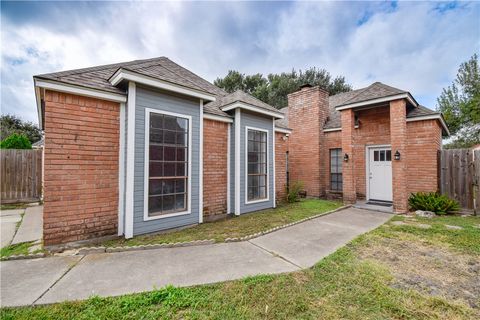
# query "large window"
(256, 165)
(336, 169)
(167, 164)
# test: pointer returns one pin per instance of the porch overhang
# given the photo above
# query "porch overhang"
(380, 101)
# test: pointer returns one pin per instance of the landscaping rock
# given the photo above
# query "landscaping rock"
(424, 214)
(453, 227)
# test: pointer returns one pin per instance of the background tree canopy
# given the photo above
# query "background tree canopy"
(460, 105)
(274, 88)
(10, 124)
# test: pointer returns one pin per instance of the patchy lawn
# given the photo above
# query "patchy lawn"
(393, 272)
(236, 227)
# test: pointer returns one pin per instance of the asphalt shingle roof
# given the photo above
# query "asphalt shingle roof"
(375, 90)
(160, 68)
(240, 96)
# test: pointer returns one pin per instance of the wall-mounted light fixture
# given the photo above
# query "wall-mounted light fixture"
(345, 157)
(285, 137)
(397, 155)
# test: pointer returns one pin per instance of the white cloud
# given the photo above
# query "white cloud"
(413, 46)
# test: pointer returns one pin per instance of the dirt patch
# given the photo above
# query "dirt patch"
(430, 270)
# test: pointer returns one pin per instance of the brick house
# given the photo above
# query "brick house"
(145, 146)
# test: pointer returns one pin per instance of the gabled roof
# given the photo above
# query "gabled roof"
(374, 91)
(160, 68)
(163, 69)
(239, 96)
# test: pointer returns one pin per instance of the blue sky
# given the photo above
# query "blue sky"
(416, 46)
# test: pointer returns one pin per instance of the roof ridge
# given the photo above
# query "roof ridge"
(166, 58)
(360, 91)
(98, 68)
(190, 81)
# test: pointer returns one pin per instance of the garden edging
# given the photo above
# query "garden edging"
(102, 249)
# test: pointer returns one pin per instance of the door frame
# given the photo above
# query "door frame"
(367, 166)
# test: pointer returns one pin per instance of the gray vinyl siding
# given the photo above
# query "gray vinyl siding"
(261, 122)
(150, 98)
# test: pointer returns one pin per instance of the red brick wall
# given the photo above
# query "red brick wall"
(398, 134)
(424, 139)
(348, 143)
(374, 129)
(281, 148)
(81, 168)
(308, 110)
(215, 137)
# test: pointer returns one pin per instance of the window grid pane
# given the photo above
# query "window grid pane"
(256, 165)
(168, 164)
(336, 169)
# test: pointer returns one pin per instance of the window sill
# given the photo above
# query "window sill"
(146, 217)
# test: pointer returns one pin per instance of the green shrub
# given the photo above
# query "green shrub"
(16, 141)
(293, 191)
(432, 201)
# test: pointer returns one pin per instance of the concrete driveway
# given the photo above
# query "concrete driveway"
(30, 229)
(57, 279)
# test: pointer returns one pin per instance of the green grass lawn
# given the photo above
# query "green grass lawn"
(367, 279)
(236, 227)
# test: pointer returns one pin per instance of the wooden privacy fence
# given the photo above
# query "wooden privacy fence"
(21, 175)
(459, 176)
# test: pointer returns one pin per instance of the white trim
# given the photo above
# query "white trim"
(367, 165)
(130, 179)
(274, 158)
(38, 100)
(217, 118)
(200, 182)
(246, 167)
(332, 129)
(379, 100)
(123, 74)
(82, 91)
(121, 172)
(146, 217)
(237, 161)
(282, 130)
(277, 115)
(229, 138)
(431, 117)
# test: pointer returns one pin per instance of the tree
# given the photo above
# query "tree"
(16, 141)
(460, 105)
(274, 88)
(10, 124)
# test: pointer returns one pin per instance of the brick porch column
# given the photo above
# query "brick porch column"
(398, 136)
(348, 123)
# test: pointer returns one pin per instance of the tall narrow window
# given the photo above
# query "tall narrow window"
(257, 165)
(336, 169)
(168, 164)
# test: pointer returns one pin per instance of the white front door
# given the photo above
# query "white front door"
(379, 173)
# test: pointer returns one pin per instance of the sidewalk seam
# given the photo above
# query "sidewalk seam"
(56, 281)
(274, 254)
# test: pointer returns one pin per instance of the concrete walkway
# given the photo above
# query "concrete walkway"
(31, 227)
(8, 225)
(56, 279)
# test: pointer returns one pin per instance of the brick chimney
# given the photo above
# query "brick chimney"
(307, 112)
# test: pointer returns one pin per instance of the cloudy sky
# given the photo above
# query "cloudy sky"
(416, 46)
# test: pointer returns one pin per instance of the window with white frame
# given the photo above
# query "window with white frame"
(257, 165)
(167, 164)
